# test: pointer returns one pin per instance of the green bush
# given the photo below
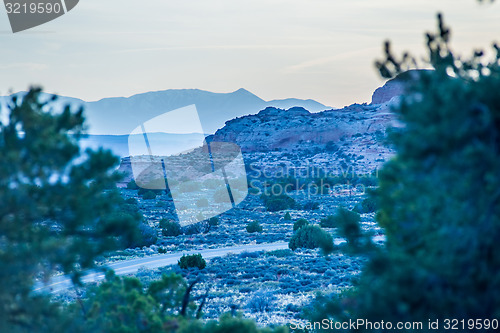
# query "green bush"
(254, 227)
(368, 205)
(131, 201)
(328, 222)
(193, 260)
(192, 229)
(149, 195)
(299, 224)
(311, 237)
(131, 185)
(276, 203)
(344, 218)
(311, 205)
(147, 236)
(170, 228)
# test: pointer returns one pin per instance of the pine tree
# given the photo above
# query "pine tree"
(56, 207)
(439, 197)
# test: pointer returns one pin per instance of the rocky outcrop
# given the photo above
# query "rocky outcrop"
(296, 129)
(388, 91)
(396, 87)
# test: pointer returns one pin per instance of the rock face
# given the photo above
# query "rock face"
(388, 91)
(297, 129)
(396, 87)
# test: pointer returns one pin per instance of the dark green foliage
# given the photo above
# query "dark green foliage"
(311, 205)
(280, 253)
(287, 217)
(149, 195)
(311, 237)
(193, 260)
(253, 191)
(142, 191)
(170, 228)
(131, 201)
(128, 212)
(276, 203)
(439, 198)
(211, 223)
(299, 224)
(331, 146)
(193, 229)
(122, 305)
(147, 236)
(169, 292)
(57, 207)
(328, 222)
(233, 324)
(131, 185)
(344, 219)
(368, 205)
(254, 226)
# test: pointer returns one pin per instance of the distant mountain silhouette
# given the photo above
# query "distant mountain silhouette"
(120, 115)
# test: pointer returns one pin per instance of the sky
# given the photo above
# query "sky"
(318, 49)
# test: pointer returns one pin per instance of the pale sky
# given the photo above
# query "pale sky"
(319, 49)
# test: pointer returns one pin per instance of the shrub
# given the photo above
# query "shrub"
(149, 195)
(146, 236)
(299, 224)
(283, 253)
(131, 185)
(328, 222)
(162, 250)
(276, 203)
(343, 219)
(254, 190)
(287, 217)
(311, 205)
(331, 146)
(192, 229)
(170, 228)
(254, 227)
(143, 191)
(131, 201)
(311, 237)
(213, 221)
(193, 260)
(368, 205)
(246, 254)
(262, 301)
